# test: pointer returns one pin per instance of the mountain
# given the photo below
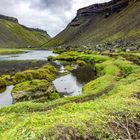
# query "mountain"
(114, 23)
(13, 34)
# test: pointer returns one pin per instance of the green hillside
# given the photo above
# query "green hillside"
(14, 35)
(116, 22)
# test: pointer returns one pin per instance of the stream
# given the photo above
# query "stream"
(66, 85)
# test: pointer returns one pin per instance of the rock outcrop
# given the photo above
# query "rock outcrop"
(106, 9)
(15, 20)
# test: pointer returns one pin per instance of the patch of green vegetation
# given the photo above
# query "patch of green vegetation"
(126, 67)
(107, 109)
(81, 62)
(2, 83)
(31, 86)
(107, 67)
(34, 84)
(34, 90)
(46, 72)
(7, 79)
(68, 68)
(10, 51)
(74, 56)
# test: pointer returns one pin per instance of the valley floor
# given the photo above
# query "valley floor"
(108, 108)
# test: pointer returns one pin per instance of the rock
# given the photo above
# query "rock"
(15, 20)
(106, 8)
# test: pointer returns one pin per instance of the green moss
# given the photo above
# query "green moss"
(81, 63)
(46, 72)
(68, 68)
(108, 67)
(126, 67)
(77, 56)
(7, 79)
(53, 96)
(99, 84)
(38, 90)
(10, 51)
(2, 83)
(31, 86)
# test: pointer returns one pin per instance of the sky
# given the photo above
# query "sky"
(50, 15)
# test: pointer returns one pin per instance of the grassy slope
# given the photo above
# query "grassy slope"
(109, 107)
(122, 25)
(14, 35)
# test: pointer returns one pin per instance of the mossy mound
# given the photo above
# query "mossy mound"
(2, 83)
(35, 84)
(47, 72)
(34, 90)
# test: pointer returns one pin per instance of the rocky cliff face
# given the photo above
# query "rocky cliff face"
(37, 30)
(105, 9)
(15, 20)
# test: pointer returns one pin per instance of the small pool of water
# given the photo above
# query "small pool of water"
(6, 97)
(68, 85)
(72, 83)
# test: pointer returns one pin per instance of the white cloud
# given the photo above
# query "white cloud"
(50, 15)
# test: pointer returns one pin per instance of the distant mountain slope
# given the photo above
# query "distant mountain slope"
(12, 34)
(117, 21)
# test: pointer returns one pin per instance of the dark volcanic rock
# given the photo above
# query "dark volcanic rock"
(104, 8)
(36, 29)
(15, 20)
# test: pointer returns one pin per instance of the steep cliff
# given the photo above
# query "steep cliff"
(116, 22)
(13, 34)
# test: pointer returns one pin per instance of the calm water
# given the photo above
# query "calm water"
(71, 84)
(29, 55)
(68, 85)
(6, 97)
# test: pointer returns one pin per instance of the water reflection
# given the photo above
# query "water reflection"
(84, 74)
(68, 85)
(71, 84)
(6, 97)
(29, 55)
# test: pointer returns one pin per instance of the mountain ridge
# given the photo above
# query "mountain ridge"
(101, 24)
(15, 35)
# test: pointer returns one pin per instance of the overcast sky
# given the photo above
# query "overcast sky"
(50, 15)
